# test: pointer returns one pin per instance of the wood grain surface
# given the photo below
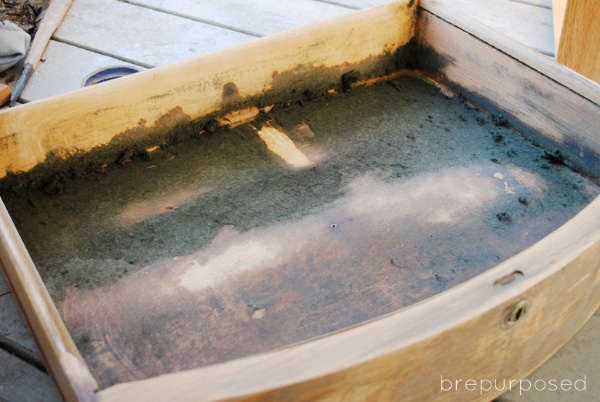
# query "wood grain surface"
(83, 120)
(511, 46)
(559, 7)
(530, 25)
(384, 359)
(502, 84)
(579, 46)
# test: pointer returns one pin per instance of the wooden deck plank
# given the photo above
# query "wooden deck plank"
(539, 3)
(530, 25)
(260, 18)
(3, 285)
(64, 70)
(66, 66)
(14, 334)
(370, 3)
(139, 35)
(527, 21)
(360, 4)
(20, 381)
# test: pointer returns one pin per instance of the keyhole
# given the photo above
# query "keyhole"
(516, 313)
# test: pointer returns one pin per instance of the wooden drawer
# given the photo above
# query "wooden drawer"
(357, 209)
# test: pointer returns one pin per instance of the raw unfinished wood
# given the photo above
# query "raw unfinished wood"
(81, 62)
(156, 39)
(187, 90)
(559, 7)
(20, 381)
(504, 84)
(257, 18)
(579, 47)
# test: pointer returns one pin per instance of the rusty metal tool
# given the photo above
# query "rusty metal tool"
(54, 15)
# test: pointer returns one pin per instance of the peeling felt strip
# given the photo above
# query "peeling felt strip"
(281, 145)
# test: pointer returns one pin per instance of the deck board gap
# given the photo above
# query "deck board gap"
(335, 3)
(20, 381)
(20, 352)
(104, 53)
(532, 3)
(192, 18)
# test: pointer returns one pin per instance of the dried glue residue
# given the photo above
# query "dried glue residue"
(281, 145)
(234, 261)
